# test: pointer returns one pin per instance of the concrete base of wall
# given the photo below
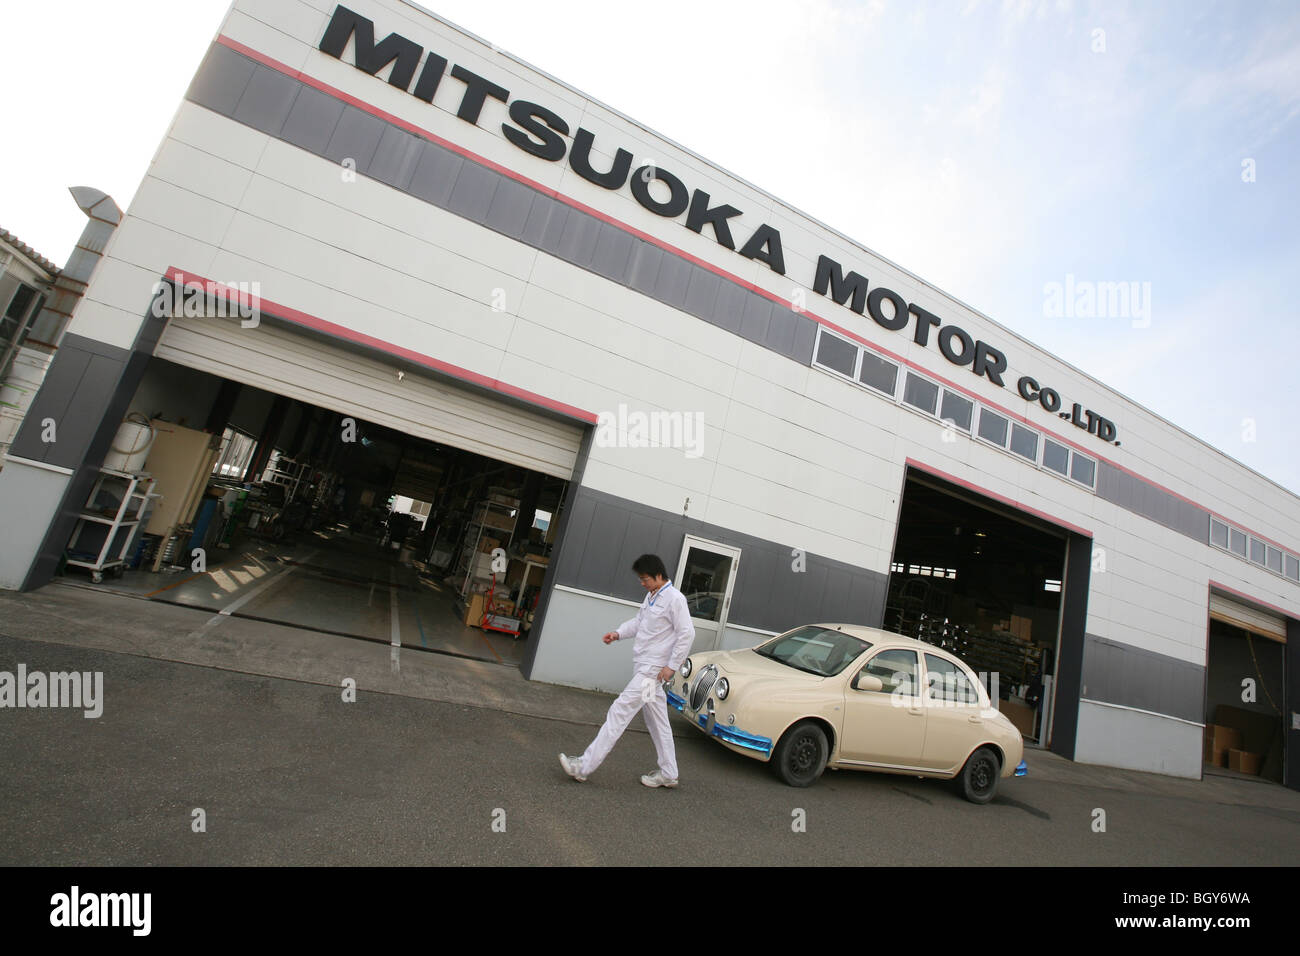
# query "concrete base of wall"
(1135, 740)
(29, 499)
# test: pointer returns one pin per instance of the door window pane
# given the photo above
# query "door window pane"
(704, 582)
(947, 683)
(897, 670)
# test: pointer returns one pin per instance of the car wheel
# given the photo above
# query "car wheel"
(979, 778)
(800, 756)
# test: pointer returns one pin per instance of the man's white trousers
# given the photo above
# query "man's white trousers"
(646, 694)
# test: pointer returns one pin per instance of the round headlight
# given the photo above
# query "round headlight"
(723, 688)
(686, 667)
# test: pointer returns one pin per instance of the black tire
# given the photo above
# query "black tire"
(978, 780)
(800, 756)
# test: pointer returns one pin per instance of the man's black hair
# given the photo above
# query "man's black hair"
(651, 565)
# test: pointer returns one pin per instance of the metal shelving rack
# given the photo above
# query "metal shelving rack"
(288, 473)
(489, 516)
(136, 492)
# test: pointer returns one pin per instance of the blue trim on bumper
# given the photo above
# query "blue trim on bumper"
(1022, 768)
(731, 735)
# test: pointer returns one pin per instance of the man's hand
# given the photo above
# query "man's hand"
(665, 674)
(611, 637)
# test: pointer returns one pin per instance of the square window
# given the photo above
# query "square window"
(1083, 469)
(879, 374)
(836, 354)
(1024, 442)
(993, 427)
(1237, 541)
(956, 409)
(1055, 457)
(920, 393)
(1275, 560)
(1257, 551)
(1219, 534)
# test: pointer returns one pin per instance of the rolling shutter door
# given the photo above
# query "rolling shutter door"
(1253, 619)
(318, 371)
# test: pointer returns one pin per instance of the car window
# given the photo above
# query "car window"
(816, 650)
(947, 683)
(897, 669)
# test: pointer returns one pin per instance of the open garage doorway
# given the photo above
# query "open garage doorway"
(984, 581)
(1245, 686)
(264, 506)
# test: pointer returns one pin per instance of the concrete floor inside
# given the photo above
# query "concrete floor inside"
(329, 580)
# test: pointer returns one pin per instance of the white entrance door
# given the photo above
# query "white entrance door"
(706, 575)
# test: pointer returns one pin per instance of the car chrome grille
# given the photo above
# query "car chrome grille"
(703, 684)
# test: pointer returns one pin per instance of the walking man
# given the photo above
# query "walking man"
(664, 632)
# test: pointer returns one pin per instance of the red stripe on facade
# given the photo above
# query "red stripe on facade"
(334, 330)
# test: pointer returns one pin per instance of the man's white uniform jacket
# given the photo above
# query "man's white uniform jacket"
(662, 628)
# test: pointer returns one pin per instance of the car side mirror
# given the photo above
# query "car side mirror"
(868, 682)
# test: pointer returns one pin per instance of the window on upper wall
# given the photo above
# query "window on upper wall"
(1274, 560)
(1219, 533)
(1024, 442)
(920, 393)
(993, 427)
(1083, 469)
(1292, 567)
(956, 409)
(836, 354)
(1257, 550)
(1056, 457)
(1237, 541)
(878, 373)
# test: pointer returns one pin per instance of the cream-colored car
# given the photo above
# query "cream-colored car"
(851, 698)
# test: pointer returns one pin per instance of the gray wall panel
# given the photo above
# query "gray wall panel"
(545, 223)
(221, 79)
(435, 174)
(702, 293)
(472, 195)
(396, 157)
(756, 318)
(673, 279)
(511, 204)
(780, 331)
(729, 306)
(311, 120)
(596, 556)
(356, 137)
(613, 256)
(1117, 673)
(266, 100)
(578, 240)
(805, 337)
(643, 268)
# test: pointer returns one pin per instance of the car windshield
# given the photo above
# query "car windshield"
(817, 650)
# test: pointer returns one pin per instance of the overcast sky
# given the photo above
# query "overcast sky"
(992, 148)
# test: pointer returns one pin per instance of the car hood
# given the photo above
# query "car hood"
(748, 663)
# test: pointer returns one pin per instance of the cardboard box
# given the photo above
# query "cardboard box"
(1021, 627)
(474, 610)
(1020, 714)
(1218, 741)
(1244, 761)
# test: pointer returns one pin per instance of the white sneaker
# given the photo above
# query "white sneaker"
(657, 779)
(573, 768)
